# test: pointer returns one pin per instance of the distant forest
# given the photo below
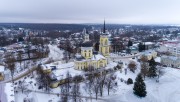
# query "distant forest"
(48, 27)
(76, 27)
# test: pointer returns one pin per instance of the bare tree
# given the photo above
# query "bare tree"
(65, 88)
(66, 54)
(90, 80)
(144, 66)
(43, 79)
(132, 66)
(111, 84)
(19, 57)
(102, 83)
(96, 86)
(76, 92)
(68, 80)
(22, 85)
(64, 97)
(47, 51)
(10, 62)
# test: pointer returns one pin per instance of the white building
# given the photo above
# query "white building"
(171, 61)
(173, 49)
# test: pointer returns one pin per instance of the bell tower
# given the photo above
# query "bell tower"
(86, 36)
(104, 43)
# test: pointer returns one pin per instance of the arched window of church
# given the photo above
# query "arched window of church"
(85, 53)
(106, 42)
(107, 50)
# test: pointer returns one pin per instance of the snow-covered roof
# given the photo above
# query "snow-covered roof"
(79, 57)
(149, 43)
(172, 44)
(61, 74)
(97, 57)
(46, 67)
(58, 66)
(135, 44)
(158, 59)
(1, 51)
(149, 52)
(1, 68)
(171, 57)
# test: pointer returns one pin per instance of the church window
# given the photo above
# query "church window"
(101, 42)
(106, 42)
(106, 50)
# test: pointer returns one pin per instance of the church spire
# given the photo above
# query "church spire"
(84, 31)
(104, 29)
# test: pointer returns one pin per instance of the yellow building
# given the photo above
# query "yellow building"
(88, 58)
(150, 54)
(1, 72)
(104, 45)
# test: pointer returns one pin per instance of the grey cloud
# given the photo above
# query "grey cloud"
(91, 11)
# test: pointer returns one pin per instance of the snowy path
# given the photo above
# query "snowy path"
(20, 75)
(2, 93)
(87, 97)
(55, 52)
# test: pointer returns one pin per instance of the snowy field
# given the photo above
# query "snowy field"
(167, 90)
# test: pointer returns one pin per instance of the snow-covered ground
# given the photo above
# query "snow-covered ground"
(55, 53)
(167, 90)
(9, 90)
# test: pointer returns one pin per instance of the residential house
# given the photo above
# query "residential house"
(150, 54)
(1, 72)
(171, 61)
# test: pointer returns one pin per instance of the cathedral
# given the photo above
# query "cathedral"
(88, 57)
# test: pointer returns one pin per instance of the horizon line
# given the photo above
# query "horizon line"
(88, 23)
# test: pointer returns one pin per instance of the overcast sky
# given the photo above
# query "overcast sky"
(91, 11)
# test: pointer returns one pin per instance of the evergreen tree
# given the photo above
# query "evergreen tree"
(140, 87)
(152, 69)
(144, 47)
(130, 43)
(96, 47)
(140, 47)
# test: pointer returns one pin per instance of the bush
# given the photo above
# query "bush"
(129, 81)
(132, 66)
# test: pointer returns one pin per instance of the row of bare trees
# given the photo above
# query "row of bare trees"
(43, 79)
(97, 83)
